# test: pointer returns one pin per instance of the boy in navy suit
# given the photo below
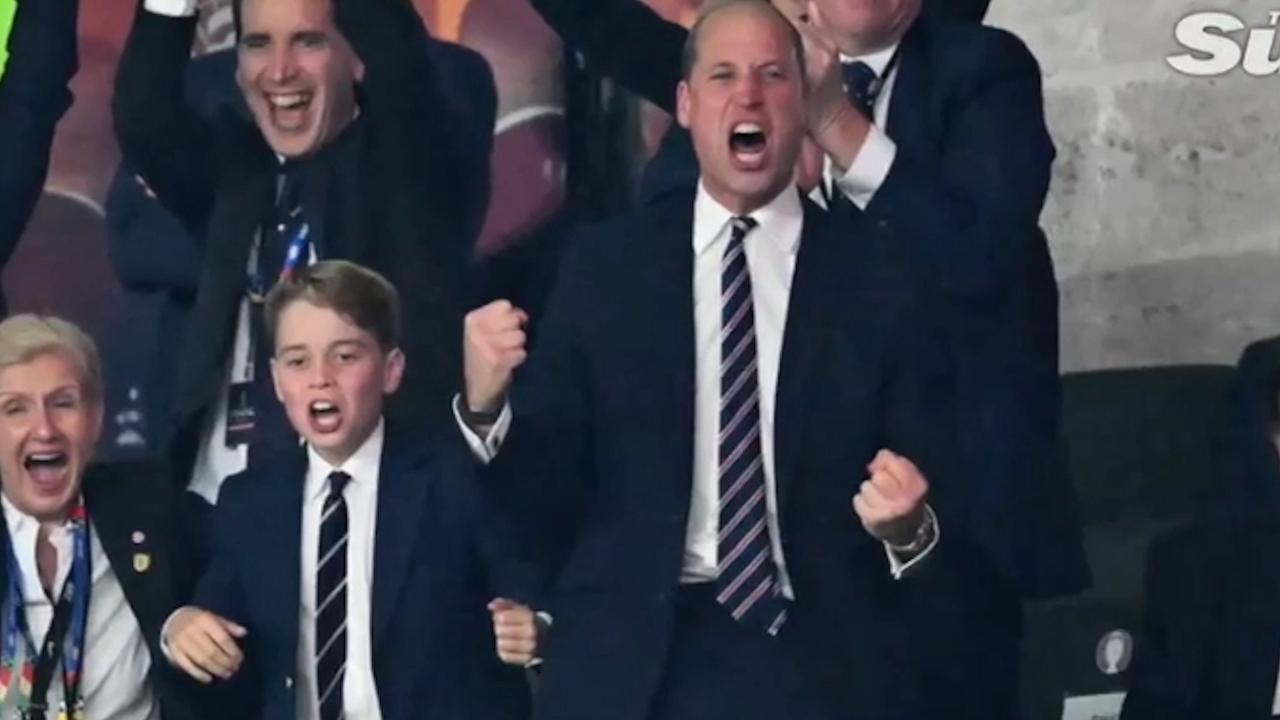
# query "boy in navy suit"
(350, 575)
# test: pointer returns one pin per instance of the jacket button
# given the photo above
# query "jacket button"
(288, 683)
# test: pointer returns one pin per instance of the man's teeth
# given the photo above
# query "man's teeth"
(745, 128)
(288, 101)
(321, 406)
(39, 460)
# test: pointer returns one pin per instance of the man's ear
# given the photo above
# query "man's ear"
(682, 104)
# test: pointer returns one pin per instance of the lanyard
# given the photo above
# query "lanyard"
(64, 642)
(295, 255)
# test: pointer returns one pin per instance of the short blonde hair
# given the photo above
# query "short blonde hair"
(24, 336)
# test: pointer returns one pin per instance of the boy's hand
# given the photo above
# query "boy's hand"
(203, 645)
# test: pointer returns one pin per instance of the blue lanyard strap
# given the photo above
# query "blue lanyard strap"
(294, 257)
(65, 640)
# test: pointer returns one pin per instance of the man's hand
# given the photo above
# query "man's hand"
(890, 502)
(494, 347)
(516, 629)
(834, 124)
(203, 645)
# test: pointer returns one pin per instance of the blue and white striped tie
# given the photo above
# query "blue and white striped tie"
(748, 581)
(331, 600)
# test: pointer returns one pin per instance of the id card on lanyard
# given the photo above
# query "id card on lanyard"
(241, 415)
(25, 684)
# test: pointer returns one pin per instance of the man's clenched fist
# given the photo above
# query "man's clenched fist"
(494, 347)
(890, 503)
(203, 645)
(515, 628)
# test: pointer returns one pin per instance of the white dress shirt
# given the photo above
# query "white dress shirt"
(359, 694)
(115, 682)
(871, 166)
(771, 249)
(172, 8)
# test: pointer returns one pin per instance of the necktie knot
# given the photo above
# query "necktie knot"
(338, 482)
(860, 86)
(742, 224)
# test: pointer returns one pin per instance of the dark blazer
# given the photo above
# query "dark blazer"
(151, 251)
(33, 97)
(1210, 646)
(599, 460)
(966, 10)
(1248, 485)
(127, 498)
(405, 203)
(436, 566)
(963, 198)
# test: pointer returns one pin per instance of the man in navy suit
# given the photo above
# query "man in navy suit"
(935, 138)
(355, 571)
(1210, 644)
(33, 97)
(725, 427)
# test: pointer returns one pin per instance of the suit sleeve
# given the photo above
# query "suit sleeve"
(1169, 678)
(541, 475)
(33, 97)
(219, 589)
(161, 136)
(969, 207)
(625, 40)
(428, 138)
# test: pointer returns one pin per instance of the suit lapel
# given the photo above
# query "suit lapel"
(279, 542)
(134, 527)
(910, 88)
(662, 255)
(801, 346)
(404, 480)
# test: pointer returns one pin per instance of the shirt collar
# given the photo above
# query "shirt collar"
(19, 522)
(362, 466)
(780, 220)
(877, 60)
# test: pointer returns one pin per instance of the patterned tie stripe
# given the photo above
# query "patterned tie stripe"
(747, 585)
(331, 600)
(859, 79)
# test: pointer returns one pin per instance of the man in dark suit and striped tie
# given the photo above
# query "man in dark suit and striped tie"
(725, 428)
(352, 573)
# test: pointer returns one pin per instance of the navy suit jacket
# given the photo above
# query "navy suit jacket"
(151, 251)
(136, 514)
(405, 202)
(33, 97)
(963, 198)
(1210, 646)
(436, 566)
(600, 454)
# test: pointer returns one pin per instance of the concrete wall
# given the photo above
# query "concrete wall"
(1164, 214)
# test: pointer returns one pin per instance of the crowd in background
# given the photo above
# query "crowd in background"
(772, 431)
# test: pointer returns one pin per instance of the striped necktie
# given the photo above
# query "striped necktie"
(747, 584)
(331, 599)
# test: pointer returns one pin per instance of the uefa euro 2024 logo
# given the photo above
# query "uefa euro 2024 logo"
(1213, 51)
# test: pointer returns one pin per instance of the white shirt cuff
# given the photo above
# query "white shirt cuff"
(484, 449)
(172, 8)
(164, 635)
(899, 567)
(869, 168)
(547, 621)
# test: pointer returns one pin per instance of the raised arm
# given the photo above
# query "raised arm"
(426, 136)
(622, 39)
(33, 97)
(160, 135)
